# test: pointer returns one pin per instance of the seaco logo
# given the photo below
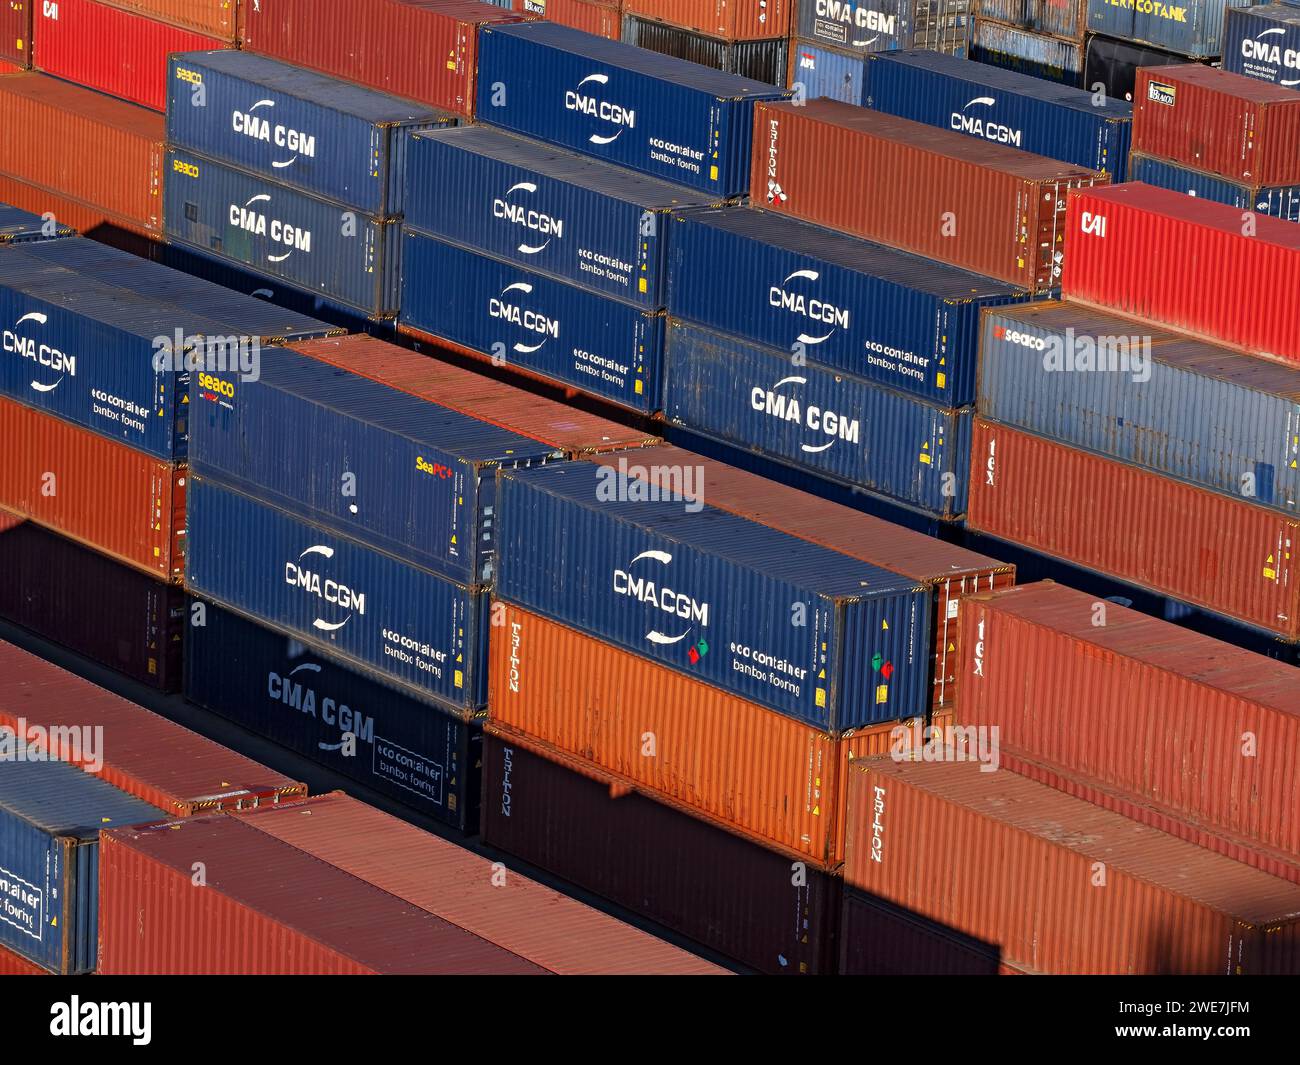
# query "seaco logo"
(582, 99)
(1021, 340)
(294, 690)
(1161, 92)
(505, 308)
(251, 220)
(539, 222)
(852, 13)
(298, 575)
(678, 604)
(1262, 50)
(978, 124)
(806, 306)
(17, 341)
(826, 426)
(264, 128)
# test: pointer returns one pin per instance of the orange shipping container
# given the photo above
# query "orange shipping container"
(218, 18)
(600, 17)
(90, 221)
(735, 20)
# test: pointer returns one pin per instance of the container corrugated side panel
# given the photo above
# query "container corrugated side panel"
(732, 20)
(1062, 19)
(837, 426)
(1254, 47)
(1226, 555)
(17, 226)
(760, 60)
(16, 32)
(426, 632)
(1280, 202)
(217, 17)
(122, 232)
(1038, 54)
(826, 72)
(12, 964)
(1194, 30)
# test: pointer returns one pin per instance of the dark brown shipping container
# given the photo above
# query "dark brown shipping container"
(878, 939)
(1059, 885)
(99, 492)
(16, 32)
(765, 909)
(83, 145)
(220, 18)
(953, 572)
(540, 925)
(761, 60)
(734, 20)
(1210, 550)
(985, 207)
(265, 908)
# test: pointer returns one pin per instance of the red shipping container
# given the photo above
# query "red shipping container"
(1141, 706)
(12, 964)
(84, 146)
(265, 908)
(1210, 550)
(138, 752)
(538, 924)
(981, 206)
(217, 18)
(425, 50)
(950, 571)
(16, 32)
(604, 19)
(1013, 863)
(734, 20)
(111, 50)
(96, 491)
(1227, 124)
(1181, 261)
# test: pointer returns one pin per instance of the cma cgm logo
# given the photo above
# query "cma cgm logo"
(851, 13)
(538, 222)
(810, 307)
(16, 341)
(647, 590)
(264, 128)
(294, 690)
(285, 234)
(1269, 51)
(978, 124)
(826, 426)
(506, 307)
(583, 99)
(299, 575)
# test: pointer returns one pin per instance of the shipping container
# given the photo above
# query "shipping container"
(1137, 250)
(949, 571)
(881, 314)
(764, 59)
(16, 32)
(320, 135)
(877, 939)
(1194, 29)
(50, 817)
(1060, 18)
(424, 632)
(971, 211)
(12, 964)
(600, 17)
(119, 501)
(1002, 106)
(1263, 42)
(274, 686)
(562, 428)
(1279, 202)
(389, 469)
(1061, 689)
(1111, 66)
(662, 116)
(423, 50)
(1227, 555)
(520, 318)
(921, 834)
(110, 50)
(830, 423)
(720, 890)
(879, 25)
(732, 20)
(1227, 124)
(1173, 404)
(250, 918)
(220, 18)
(542, 926)
(1039, 55)
(18, 226)
(132, 623)
(573, 549)
(590, 223)
(85, 218)
(49, 130)
(817, 71)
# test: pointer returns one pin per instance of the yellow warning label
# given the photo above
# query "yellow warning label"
(460, 679)
(882, 693)
(821, 697)
(884, 627)
(713, 173)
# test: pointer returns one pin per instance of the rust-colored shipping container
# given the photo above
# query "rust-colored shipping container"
(96, 491)
(217, 18)
(1227, 124)
(733, 20)
(951, 571)
(12, 964)
(536, 923)
(564, 428)
(425, 50)
(265, 908)
(83, 145)
(1226, 555)
(601, 17)
(958, 199)
(16, 32)
(90, 221)
(1056, 884)
(1198, 729)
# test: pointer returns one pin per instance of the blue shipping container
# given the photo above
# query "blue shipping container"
(517, 317)
(16, 226)
(316, 245)
(1002, 106)
(1263, 43)
(832, 424)
(50, 816)
(812, 634)
(324, 136)
(425, 632)
(384, 467)
(1036, 54)
(666, 117)
(577, 218)
(875, 312)
(827, 72)
(275, 686)
(1193, 28)
(1279, 201)
(1174, 404)
(869, 25)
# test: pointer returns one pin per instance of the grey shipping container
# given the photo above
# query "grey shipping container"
(1264, 43)
(762, 60)
(1280, 201)
(879, 25)
(1193, 28)
(1061, 18)
(1037, 54)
